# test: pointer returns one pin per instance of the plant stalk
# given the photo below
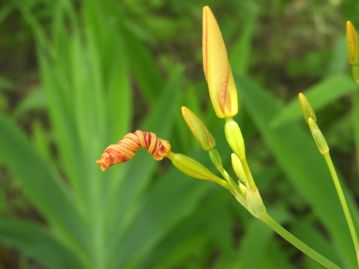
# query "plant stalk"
(343, 203)
(275, 226)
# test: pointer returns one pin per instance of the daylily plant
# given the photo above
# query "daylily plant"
(223, 95)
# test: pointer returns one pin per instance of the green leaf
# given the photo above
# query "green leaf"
(184, 242)
(274, 258)
(176, 196)
(144, 67)
(241, 52)
(42, 184)
(356, 126)
(6, 84)
(307, 232)
(36, 99)
(40, 140)
(296, 154)
(139, 171)
(319, 96)
(37, 243)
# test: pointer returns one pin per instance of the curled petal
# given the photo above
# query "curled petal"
(126, 148)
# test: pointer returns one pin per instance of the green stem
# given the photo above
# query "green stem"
(356, 125)
(217, 162)
(247, 171)
(275, 226)
(343, 203)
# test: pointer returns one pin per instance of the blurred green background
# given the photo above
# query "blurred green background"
(76, 76)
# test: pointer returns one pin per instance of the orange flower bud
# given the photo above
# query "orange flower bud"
(126, 148)
(218, 73)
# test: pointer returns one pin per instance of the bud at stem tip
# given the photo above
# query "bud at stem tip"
(217, 71)
(306, 108)
(198, 129)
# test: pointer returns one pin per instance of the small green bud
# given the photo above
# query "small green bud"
(238, 168)
(318, 137)
(191, 167)
(234, 138)
(306, 108)
(352, 44)
(198, 129)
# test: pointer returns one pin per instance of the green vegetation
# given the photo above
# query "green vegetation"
(79, 75)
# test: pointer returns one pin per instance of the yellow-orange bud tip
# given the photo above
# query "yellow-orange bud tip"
(352, 44)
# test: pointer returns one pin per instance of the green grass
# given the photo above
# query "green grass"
(106, 69)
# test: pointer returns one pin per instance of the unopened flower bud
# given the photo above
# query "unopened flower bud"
(318, 137)
(191, 167)
(238, 168)
(198, 129)
(352, 44)
(218, 73)
(235, 139)
(306, 108)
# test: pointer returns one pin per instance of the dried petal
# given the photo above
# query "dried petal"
(126, 148)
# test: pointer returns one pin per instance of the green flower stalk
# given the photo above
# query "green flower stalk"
(323, 148)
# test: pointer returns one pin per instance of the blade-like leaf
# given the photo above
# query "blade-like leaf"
(319, 96)
(151, 225)
(40, 182)
(34, 100)
(356, 126)
(35, 242)
(144, 67)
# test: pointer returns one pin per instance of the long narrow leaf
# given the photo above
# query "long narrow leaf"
(319, 96)
(37, 243)
(40, 182)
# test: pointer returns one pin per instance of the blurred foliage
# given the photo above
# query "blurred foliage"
(78, 75)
